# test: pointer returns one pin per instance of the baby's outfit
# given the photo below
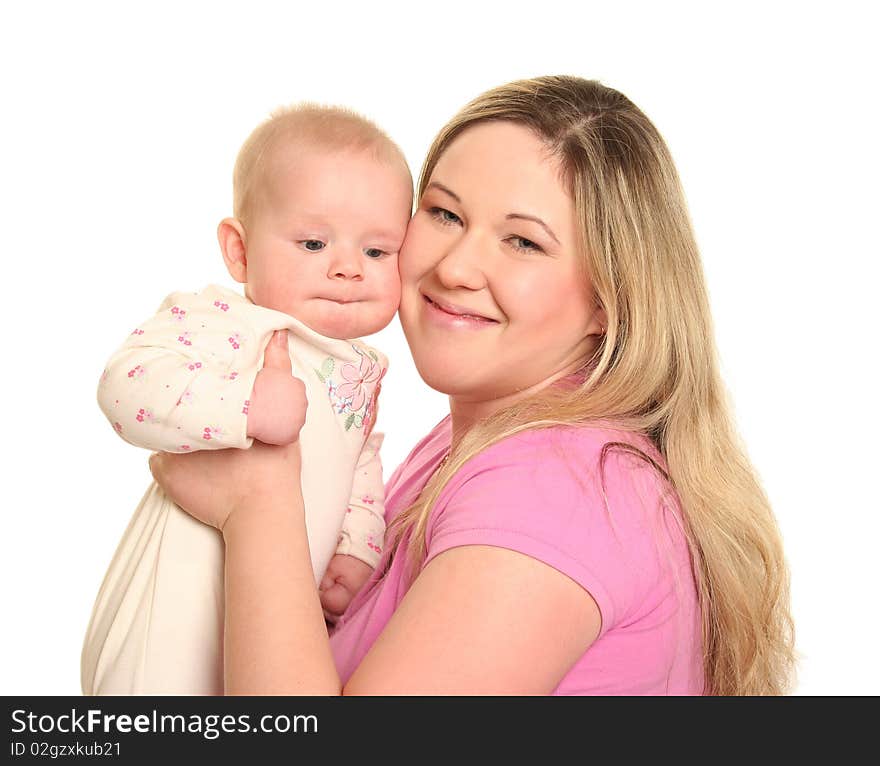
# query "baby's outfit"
(182, 382)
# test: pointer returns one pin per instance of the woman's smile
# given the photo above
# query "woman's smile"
(450, 315)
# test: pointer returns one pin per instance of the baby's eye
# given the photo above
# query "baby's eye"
(374, 252)
(525, 245)
(444, 216)
(312, 245)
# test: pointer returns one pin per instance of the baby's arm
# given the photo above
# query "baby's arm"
(184, 379)
(362, 535)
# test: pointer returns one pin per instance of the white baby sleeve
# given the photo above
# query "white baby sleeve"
(183, 379)
(363, 528)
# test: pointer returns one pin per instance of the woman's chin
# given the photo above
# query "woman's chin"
(451, 379)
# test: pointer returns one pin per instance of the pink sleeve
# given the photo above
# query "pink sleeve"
(541, 494)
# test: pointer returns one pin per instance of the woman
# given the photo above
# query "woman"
(585, 521)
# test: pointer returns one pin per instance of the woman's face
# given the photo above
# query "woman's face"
(493, 300)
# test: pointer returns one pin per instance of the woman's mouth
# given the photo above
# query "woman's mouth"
(450, 314)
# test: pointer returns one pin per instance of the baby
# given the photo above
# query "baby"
(322, 199)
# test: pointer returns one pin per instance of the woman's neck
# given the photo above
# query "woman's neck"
(465, 412)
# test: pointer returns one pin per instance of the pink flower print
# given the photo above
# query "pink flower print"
(185, 447)
(367, 499)
(372, 545)
(235, 340)
(209, 432)
(358, 379)
(178, 313)
(184, 338)
(193, 366)
(145, 415)
(222, 306)
(137, 373)
(247, 403)
(118, 427)
(137, 331)
(230, 376)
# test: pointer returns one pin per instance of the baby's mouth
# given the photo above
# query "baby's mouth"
(342, 301)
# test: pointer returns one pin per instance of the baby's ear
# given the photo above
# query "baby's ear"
(232, 238)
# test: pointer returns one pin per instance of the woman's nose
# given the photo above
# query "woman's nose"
(463, 264)
(345, 263)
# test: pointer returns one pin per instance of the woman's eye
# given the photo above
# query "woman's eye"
(374, 252)
(312, 245)
(525, 245)
(444, 216)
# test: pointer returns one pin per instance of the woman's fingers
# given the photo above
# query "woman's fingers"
(277, 356)
(157, 467)
(179, 476)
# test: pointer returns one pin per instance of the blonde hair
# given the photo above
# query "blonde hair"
(315, 126)
(654, 372)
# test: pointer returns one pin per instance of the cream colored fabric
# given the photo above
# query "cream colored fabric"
(182, 382)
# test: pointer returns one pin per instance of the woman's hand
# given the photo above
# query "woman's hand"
(212, 486)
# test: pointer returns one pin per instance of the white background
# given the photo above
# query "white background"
(119, 127)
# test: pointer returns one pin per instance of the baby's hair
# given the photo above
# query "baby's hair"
(311, 125)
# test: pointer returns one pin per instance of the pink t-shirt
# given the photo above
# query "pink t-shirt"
(541, 493)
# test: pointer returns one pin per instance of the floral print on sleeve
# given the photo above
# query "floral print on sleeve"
(363, 527)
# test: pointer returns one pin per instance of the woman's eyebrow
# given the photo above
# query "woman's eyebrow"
(444, 189)
(534, 219)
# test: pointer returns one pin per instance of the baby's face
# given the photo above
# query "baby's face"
(323, 243)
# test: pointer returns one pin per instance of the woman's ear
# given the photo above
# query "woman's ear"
(233, 245)
(599, 322)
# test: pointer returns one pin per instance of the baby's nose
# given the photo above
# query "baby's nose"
(346, 263)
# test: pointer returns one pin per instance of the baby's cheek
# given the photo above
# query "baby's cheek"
(393, 300)
(280, 296)
(388, 294)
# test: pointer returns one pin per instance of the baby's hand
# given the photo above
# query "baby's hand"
(344, 577)
(277, 407)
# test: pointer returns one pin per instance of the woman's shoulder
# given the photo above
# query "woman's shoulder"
(563, 471)
(591, 447)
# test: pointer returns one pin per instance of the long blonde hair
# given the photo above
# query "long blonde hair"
(655, 372)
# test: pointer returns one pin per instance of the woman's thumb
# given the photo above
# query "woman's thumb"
(277, 356)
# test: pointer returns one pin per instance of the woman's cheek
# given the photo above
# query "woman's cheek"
(523, 296)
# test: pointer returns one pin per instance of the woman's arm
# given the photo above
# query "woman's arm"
(481, 620)
(275, 636)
